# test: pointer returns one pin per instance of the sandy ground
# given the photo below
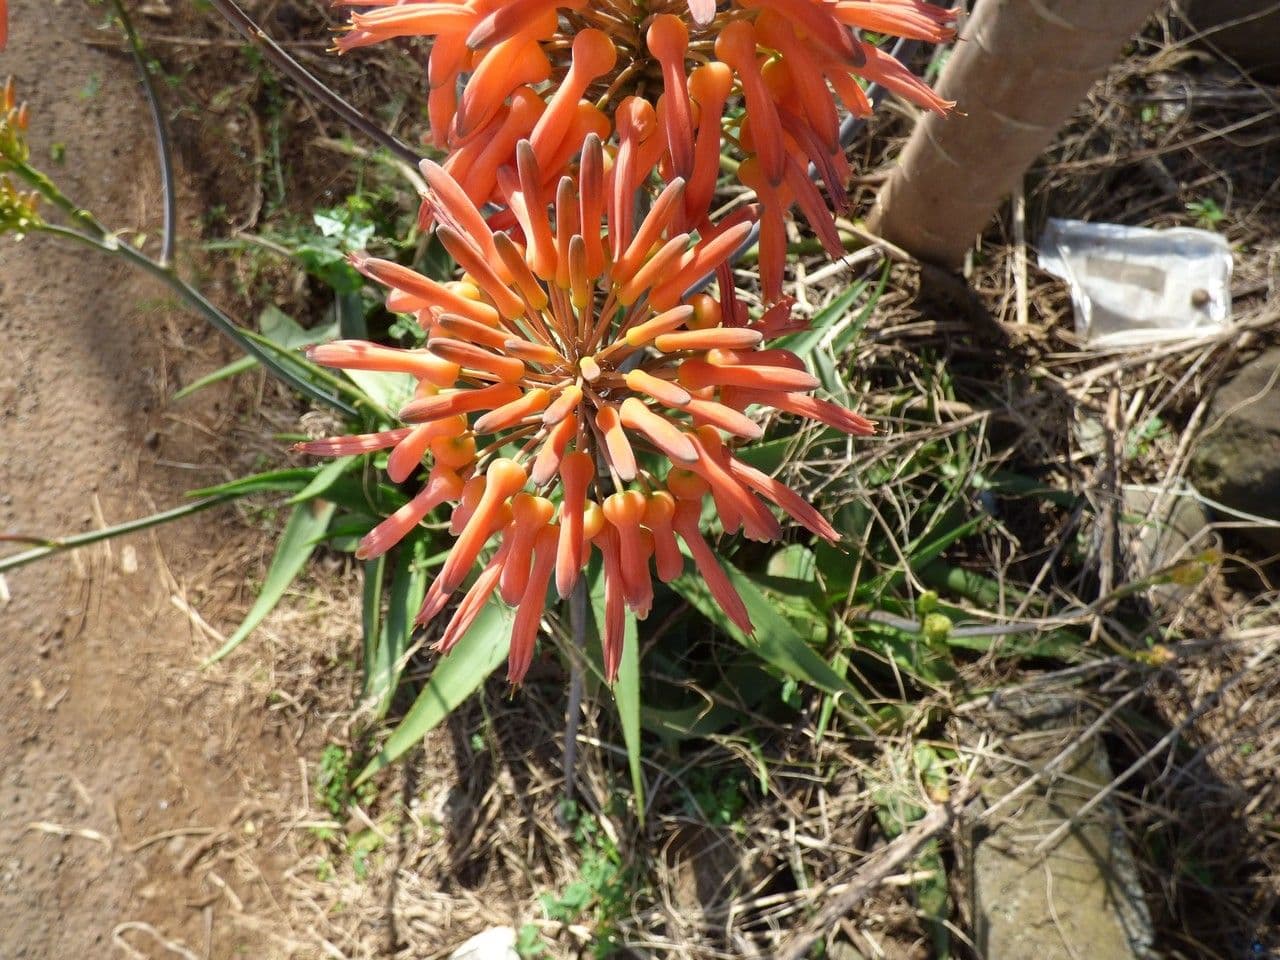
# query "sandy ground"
(135, 807)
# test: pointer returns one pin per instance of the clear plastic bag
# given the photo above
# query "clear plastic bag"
(1132, 285)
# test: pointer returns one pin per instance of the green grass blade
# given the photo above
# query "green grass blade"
(324, 479)
(825, 323)
(58, 544)
(272, 481)
(307, 522)
(455, 678)
(840, 664)
(230, 370)
(845, 336)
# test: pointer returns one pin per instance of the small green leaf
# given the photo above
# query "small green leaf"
(390, 391)
(455, 677)
(282, 330)
(307, 522)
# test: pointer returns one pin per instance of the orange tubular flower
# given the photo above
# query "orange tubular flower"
(606, 387)
(660, 75)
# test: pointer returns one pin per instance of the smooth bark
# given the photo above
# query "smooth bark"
(1017, 74)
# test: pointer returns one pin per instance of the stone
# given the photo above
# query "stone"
(1247, 31)
(496, 943)
(1079, 898)
(1237, 458)
(844, 951)
(1158, 531)
(707, 865)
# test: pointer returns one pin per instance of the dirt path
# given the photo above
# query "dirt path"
(137, 804)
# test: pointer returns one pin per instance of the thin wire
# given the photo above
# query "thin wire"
(163, 148)
(309, 82)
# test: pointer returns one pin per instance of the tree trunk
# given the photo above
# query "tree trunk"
(1017, 73)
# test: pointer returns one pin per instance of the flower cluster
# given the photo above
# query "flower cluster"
(577, 347)
(18, 211)
(17, 207)
(587, 384)
(662, 75)
(13, 126)
(577, 392)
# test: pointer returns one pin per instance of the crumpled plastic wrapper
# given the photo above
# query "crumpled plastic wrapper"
(1131, 285)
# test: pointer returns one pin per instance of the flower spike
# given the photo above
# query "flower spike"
(614, 397)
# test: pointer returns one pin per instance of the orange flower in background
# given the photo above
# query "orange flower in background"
(571, 397)
(4, 23)
(14, 119)
(553, 71)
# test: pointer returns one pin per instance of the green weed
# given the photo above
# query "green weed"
(1207, 212)
(333, 789)
(604, 891)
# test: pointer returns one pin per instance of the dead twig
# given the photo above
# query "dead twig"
(871, 875)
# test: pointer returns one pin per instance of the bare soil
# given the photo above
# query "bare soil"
(141, 816)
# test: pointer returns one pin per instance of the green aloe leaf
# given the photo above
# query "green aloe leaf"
(626, 689)
(626, 693)
(288, 369)
(455, 677)
(371, 616)
(825, 324)
(306, 525)
(408, 586)
(775, 640)
(349, 491)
